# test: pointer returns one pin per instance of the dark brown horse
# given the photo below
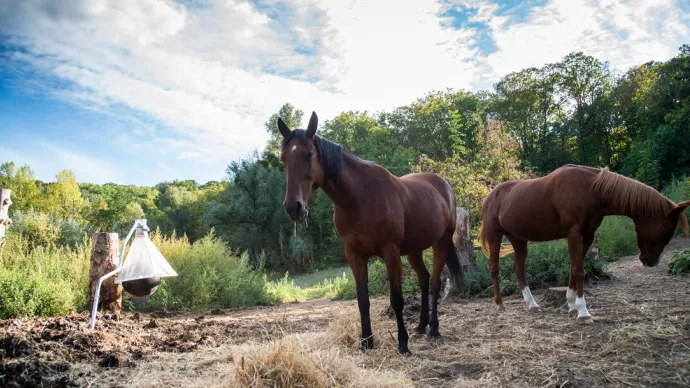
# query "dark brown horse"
(375, 214)
(571, 203)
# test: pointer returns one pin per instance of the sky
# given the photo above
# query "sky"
(144, 91)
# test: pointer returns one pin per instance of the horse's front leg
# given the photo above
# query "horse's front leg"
(577, 275)
(394, 268)
(358, 265)
(571, 294)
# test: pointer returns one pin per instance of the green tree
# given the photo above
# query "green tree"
(63, 198)
(21, 181)
(293, 118)
(361, 134)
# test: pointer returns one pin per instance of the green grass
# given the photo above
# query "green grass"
(319, 276)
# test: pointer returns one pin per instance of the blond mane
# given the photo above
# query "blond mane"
(630, 197)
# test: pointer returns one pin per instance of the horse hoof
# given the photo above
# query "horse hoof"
(367, 343)
(584, 320)
(535, 309)
(501, 309)
(435, 337)
(420, 330)
(572, 313)
(404, 351)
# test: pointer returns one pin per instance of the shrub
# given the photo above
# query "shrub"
(285, 290)
(616, 238)
(42, 281)
(42, 229)
(37, 228)
(680, 264)
(209, 276)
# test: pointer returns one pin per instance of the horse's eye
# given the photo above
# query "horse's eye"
(309, 155)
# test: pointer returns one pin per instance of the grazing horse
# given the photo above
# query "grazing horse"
(571, 203)
(375, 214)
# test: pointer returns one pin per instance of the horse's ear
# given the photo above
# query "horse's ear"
(284, 130)
(678, 211)
(313, 123)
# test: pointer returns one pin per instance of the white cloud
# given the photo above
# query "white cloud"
(212, 73)
(623, 32)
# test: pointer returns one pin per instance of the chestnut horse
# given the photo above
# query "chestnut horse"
(375, 214)
(571, 203)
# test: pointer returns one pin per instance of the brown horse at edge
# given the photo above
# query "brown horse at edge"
(375, 214)
(571, 203)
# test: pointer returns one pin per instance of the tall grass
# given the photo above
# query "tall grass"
(42, 280)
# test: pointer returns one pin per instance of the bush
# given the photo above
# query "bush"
(209, 276)
(42, 229)
(680, 264)
(616, 238)
(42, 281)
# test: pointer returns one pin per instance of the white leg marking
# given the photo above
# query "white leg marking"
(294, 147)
(570, 298)
(581, 308)
(527, 295)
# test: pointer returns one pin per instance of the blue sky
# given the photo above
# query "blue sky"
(139, 92)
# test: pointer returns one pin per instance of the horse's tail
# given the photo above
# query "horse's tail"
(506, 249)
(483, 241)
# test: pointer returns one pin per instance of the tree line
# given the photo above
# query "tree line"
(573, 111)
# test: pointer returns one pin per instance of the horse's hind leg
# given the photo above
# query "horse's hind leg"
(416, 262)
(520, 249)
(391, 257)
(440, 255)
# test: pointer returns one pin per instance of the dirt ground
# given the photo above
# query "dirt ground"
(640, 337)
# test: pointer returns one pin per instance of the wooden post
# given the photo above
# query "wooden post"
(462, 240)
(104, 259)
(5, 220)
(463, 245)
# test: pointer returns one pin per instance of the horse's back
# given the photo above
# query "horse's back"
(429, 209)
(541, 209)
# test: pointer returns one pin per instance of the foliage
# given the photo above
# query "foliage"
(473, 177)
(21, 181)
(209, 276)
(680, 264)
(42, 229)
(43, 280)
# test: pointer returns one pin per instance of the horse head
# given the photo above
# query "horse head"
(654, 233)
(303, 170)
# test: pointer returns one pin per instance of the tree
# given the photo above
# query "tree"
(63, 198)
(21, 181)
(361, 134)
(293, 118)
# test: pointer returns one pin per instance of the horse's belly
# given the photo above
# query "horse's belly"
(531, 225)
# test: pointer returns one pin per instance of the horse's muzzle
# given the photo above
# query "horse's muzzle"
(650, 260)
(296, 210)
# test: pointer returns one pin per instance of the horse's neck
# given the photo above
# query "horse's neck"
(345, 192)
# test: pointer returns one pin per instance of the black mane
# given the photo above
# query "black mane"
(330, 154)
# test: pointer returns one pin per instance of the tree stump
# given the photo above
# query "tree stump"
(5, 220)
(554, 297)
(463, 244)
(104, 259)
